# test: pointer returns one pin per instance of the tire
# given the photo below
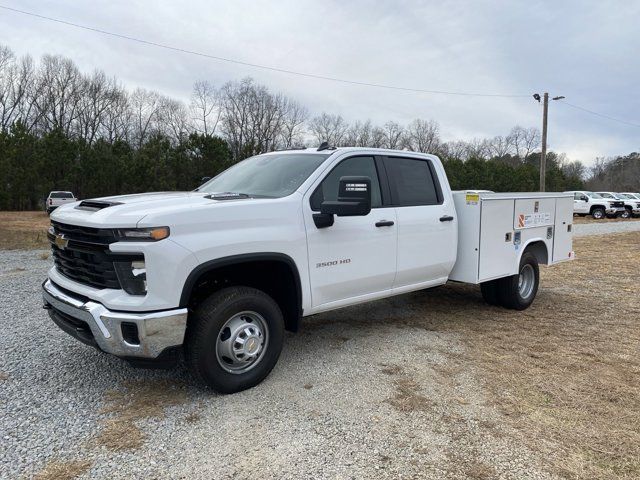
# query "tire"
(490, 292)
(626, 213)
(246, 317)
(598, 213)
(516, 294)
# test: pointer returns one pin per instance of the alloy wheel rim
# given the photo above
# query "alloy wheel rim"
(241, 342)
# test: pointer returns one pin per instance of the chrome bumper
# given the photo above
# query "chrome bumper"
(156, 331)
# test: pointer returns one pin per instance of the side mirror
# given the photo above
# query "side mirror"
(204, 180)
(354, 199)
(584, 198)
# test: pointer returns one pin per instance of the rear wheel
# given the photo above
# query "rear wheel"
(234, 339)
(598, 213)
(518, 291)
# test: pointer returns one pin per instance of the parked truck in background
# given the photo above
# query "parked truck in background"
(594, 204)
(57, 199)
(630, 203)
(220, 273)
(634, 199)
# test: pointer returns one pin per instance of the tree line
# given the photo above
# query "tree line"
(62, 129)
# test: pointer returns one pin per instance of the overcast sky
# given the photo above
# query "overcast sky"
(586, 50)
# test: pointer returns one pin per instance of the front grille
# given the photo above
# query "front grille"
(86, 257)
(617, 204)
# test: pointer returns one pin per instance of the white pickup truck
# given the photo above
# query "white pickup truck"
(221, 272)
(594, 204)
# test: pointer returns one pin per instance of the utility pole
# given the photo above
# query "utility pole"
(543, 154)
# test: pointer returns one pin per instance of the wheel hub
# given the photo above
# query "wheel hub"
(241, 342)
(526, 281)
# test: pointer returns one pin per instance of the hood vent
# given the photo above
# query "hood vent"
(227, 196)
(95, 205)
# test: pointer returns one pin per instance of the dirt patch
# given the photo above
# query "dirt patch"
(63, 470)
(406, 397)
(4, 376)
(136, 402)
(23, 230)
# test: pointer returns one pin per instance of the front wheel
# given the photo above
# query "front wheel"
(234, 339)
(598, 213)
(518, 291)
(626, 214)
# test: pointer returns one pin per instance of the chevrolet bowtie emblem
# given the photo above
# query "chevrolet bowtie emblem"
(61, 242)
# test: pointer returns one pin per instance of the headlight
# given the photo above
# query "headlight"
(133, 276)
(143, 234)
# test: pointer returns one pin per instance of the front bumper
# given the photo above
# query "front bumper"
(92, 323)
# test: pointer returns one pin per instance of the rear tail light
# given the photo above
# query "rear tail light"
(50, 201)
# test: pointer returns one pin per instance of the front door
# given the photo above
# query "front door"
(356, 256)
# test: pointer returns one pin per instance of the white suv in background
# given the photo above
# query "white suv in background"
(626, 204)
(58, 198)
(631, 202)
(594, 204)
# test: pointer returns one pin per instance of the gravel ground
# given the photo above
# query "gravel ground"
(583, 229)
(359, 393)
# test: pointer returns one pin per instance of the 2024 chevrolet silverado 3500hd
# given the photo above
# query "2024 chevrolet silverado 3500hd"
(223, 271)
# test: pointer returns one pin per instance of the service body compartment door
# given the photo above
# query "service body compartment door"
(497, 251)
(563, 236)
(534, 212)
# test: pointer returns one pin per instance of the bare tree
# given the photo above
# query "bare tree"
(145, 106)
(328, 128)
(172, 119)
(423, 136)
(205, 107)
(393, 135)
(293, 125)
(524, 141)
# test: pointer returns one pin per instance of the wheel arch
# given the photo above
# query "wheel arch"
(222, 269)
(593, 207)
(539, 249)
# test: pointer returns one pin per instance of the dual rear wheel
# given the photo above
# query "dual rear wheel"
(518, 291)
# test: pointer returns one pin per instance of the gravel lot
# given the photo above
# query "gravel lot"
(361, 392)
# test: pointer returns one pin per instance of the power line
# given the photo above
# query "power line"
(600, 114)
(255, 65)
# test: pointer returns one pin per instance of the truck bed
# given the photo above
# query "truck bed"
(495, 228)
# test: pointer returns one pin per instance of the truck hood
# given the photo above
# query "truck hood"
(128, 210)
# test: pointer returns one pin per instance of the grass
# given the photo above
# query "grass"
(23, 230)
(136, 402)
(63, 470)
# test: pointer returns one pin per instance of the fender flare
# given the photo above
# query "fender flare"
(210, 265)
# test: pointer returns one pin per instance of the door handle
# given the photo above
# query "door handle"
(385, 223)
(446, 218)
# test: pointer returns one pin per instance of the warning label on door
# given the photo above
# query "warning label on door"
(534, 220)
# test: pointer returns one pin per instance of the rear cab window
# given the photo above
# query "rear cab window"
(413, 182)
(61, 195)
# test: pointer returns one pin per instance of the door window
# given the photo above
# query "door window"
(354, 166)
(413, 182)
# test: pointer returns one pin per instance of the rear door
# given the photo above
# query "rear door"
(427, 227)
(356, 256)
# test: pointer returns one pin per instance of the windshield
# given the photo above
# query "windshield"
(627, 196)
(607, 195)
(594, 195)
(270, 176)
